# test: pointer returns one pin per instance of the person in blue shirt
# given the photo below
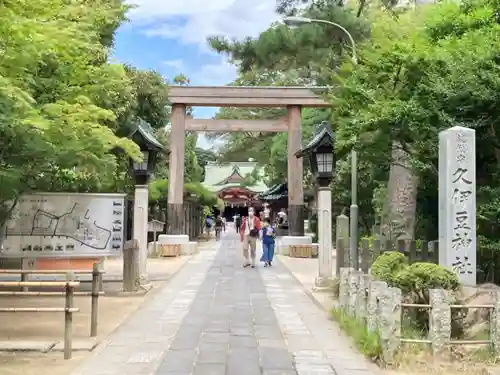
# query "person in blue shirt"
(268, 235)
(208, 224)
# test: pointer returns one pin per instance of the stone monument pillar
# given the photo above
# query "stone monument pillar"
(324, 237)
(140, 228)
(457, 202)
(342, 232)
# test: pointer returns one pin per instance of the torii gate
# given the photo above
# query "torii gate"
(293, 98)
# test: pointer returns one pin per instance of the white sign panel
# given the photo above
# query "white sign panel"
(66, 225)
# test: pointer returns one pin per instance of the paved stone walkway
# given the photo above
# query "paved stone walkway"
(216, 318)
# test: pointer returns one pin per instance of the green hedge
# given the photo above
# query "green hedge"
(158, 192)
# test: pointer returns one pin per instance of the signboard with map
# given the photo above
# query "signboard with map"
(66, 225)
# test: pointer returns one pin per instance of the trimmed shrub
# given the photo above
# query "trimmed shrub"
(420, 277)
(387, 265)
(415, 281)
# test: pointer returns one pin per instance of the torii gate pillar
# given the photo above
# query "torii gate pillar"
(295, 174)
(293, 98)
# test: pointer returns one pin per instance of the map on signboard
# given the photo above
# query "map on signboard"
(68, 223)
(76, 224)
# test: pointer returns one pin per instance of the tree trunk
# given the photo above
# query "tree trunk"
(399, 214)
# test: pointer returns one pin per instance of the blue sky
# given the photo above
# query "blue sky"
(169, 36)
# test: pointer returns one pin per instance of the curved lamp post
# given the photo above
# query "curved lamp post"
(354, 209)
(298, 21)
(321, 153)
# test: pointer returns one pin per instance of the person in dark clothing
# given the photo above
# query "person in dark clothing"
(238, 223)
(218, 227)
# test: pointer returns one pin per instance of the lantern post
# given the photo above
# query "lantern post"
(321, 153)
(141, 171)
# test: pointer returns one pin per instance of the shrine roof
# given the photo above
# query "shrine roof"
(276, 192)
(220, 176)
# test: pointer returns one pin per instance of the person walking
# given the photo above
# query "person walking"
(267, 211)
(218, 227)
(249, 232)
(237, 223)
(268, 235)
(208, 225)
(282, 217)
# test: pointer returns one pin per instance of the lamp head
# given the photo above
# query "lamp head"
(296, 21)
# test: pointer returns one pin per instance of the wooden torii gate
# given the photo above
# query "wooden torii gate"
(293, 98)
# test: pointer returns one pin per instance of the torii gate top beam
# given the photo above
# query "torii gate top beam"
(247, 96)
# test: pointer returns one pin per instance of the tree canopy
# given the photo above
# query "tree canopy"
(65, 110)
(421, 70)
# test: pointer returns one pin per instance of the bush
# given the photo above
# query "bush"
(420, 277)
(415, 281)
(158, 189)
(387, 265)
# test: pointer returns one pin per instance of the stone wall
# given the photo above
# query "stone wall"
(369, 250)
(380, 307)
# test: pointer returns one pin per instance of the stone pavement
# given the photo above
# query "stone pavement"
(305, 271)
(217, 318)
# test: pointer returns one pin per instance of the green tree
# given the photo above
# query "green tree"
(59, 99)
(423, 72)
(150, 100)
(284, 56)
(310, 53)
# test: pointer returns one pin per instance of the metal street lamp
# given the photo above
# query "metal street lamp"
(321, 153)
(142, 171)
(299, 21)
(354, 209)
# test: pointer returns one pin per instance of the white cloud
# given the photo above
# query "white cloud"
(214, 74)
(203, 18)
(176, 64)
(157, 9)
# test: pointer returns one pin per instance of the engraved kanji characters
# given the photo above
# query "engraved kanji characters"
(462, 265)
(459, 176)
(461, 154)
(460, 196)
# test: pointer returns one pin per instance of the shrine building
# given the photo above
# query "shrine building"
(228, 181)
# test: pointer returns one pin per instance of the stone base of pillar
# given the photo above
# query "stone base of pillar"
(322, 284)
(189, 248)
(285, 242)
(175, 218)
(296, 220)
(178, 239)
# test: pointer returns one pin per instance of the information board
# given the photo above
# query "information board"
(65, 225)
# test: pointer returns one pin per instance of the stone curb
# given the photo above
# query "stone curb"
(306, 290)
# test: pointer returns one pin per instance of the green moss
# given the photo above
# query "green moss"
(367, 342)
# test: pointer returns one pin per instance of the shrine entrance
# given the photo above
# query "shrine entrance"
(292, 98)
